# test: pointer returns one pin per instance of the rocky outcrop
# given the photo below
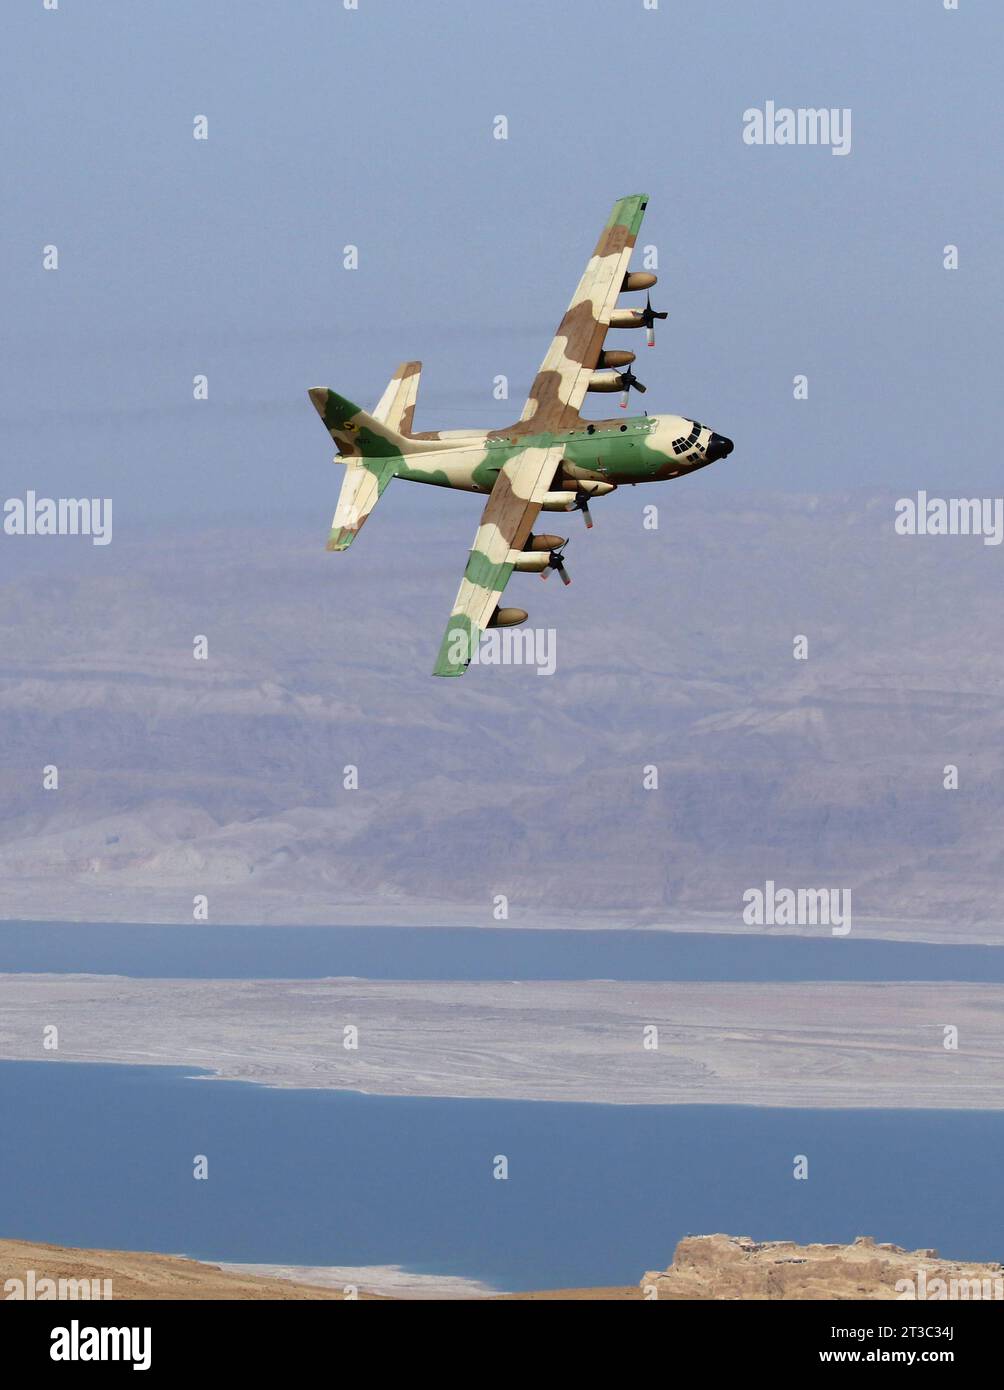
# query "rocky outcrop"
(736, 1267)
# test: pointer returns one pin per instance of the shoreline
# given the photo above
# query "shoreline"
(703, 1268)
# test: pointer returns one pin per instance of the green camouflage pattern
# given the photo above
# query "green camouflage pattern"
(549, 458)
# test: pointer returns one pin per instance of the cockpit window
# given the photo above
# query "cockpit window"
(681, 445)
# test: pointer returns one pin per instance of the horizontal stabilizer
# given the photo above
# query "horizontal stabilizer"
(362, 488)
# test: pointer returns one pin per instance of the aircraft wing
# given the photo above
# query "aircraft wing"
(505, 524)
(559, 387)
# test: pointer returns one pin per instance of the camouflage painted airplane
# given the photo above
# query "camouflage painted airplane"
(550, 460)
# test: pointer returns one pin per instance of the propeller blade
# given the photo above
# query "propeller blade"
(649, 317)
(624, 399)
(555, 562)
(582, 503)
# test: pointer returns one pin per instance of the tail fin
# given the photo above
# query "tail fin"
(357, 434)
(371, 448)
(371, 452)
(397, 404)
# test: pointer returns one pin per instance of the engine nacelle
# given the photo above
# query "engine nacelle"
(589, 488)
(508, 617)
(558, 501)
(605, 381)
(616, 358)
(639, 280)
(627, 318)
(546, 542)
(532, 561)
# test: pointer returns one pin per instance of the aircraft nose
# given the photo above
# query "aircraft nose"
(718, 447)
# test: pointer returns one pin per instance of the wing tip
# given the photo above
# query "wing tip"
(628, 212)
(457, 646)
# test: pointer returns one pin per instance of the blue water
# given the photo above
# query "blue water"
(102, 1156)
(446, 953)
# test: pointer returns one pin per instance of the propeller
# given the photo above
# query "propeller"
(629, 381)
(581, 504)
(648, 318)
(555, 562)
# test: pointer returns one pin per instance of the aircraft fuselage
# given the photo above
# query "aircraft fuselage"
(641, 449)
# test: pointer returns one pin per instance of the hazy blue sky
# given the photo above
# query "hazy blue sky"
(374, 127)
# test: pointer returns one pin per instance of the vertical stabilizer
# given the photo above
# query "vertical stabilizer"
(397, 404)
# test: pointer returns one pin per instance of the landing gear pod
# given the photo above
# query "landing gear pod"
(508, 617)
(639, 280)
(615, 358)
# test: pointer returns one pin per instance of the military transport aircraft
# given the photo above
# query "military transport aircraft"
(550, 460)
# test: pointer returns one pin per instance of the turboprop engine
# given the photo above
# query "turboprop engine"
(626, 318)
(638, 318)
(578, 500)
(558, 501)
(605, 381)
(586, 488)
(616, 381)
(542, 555)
